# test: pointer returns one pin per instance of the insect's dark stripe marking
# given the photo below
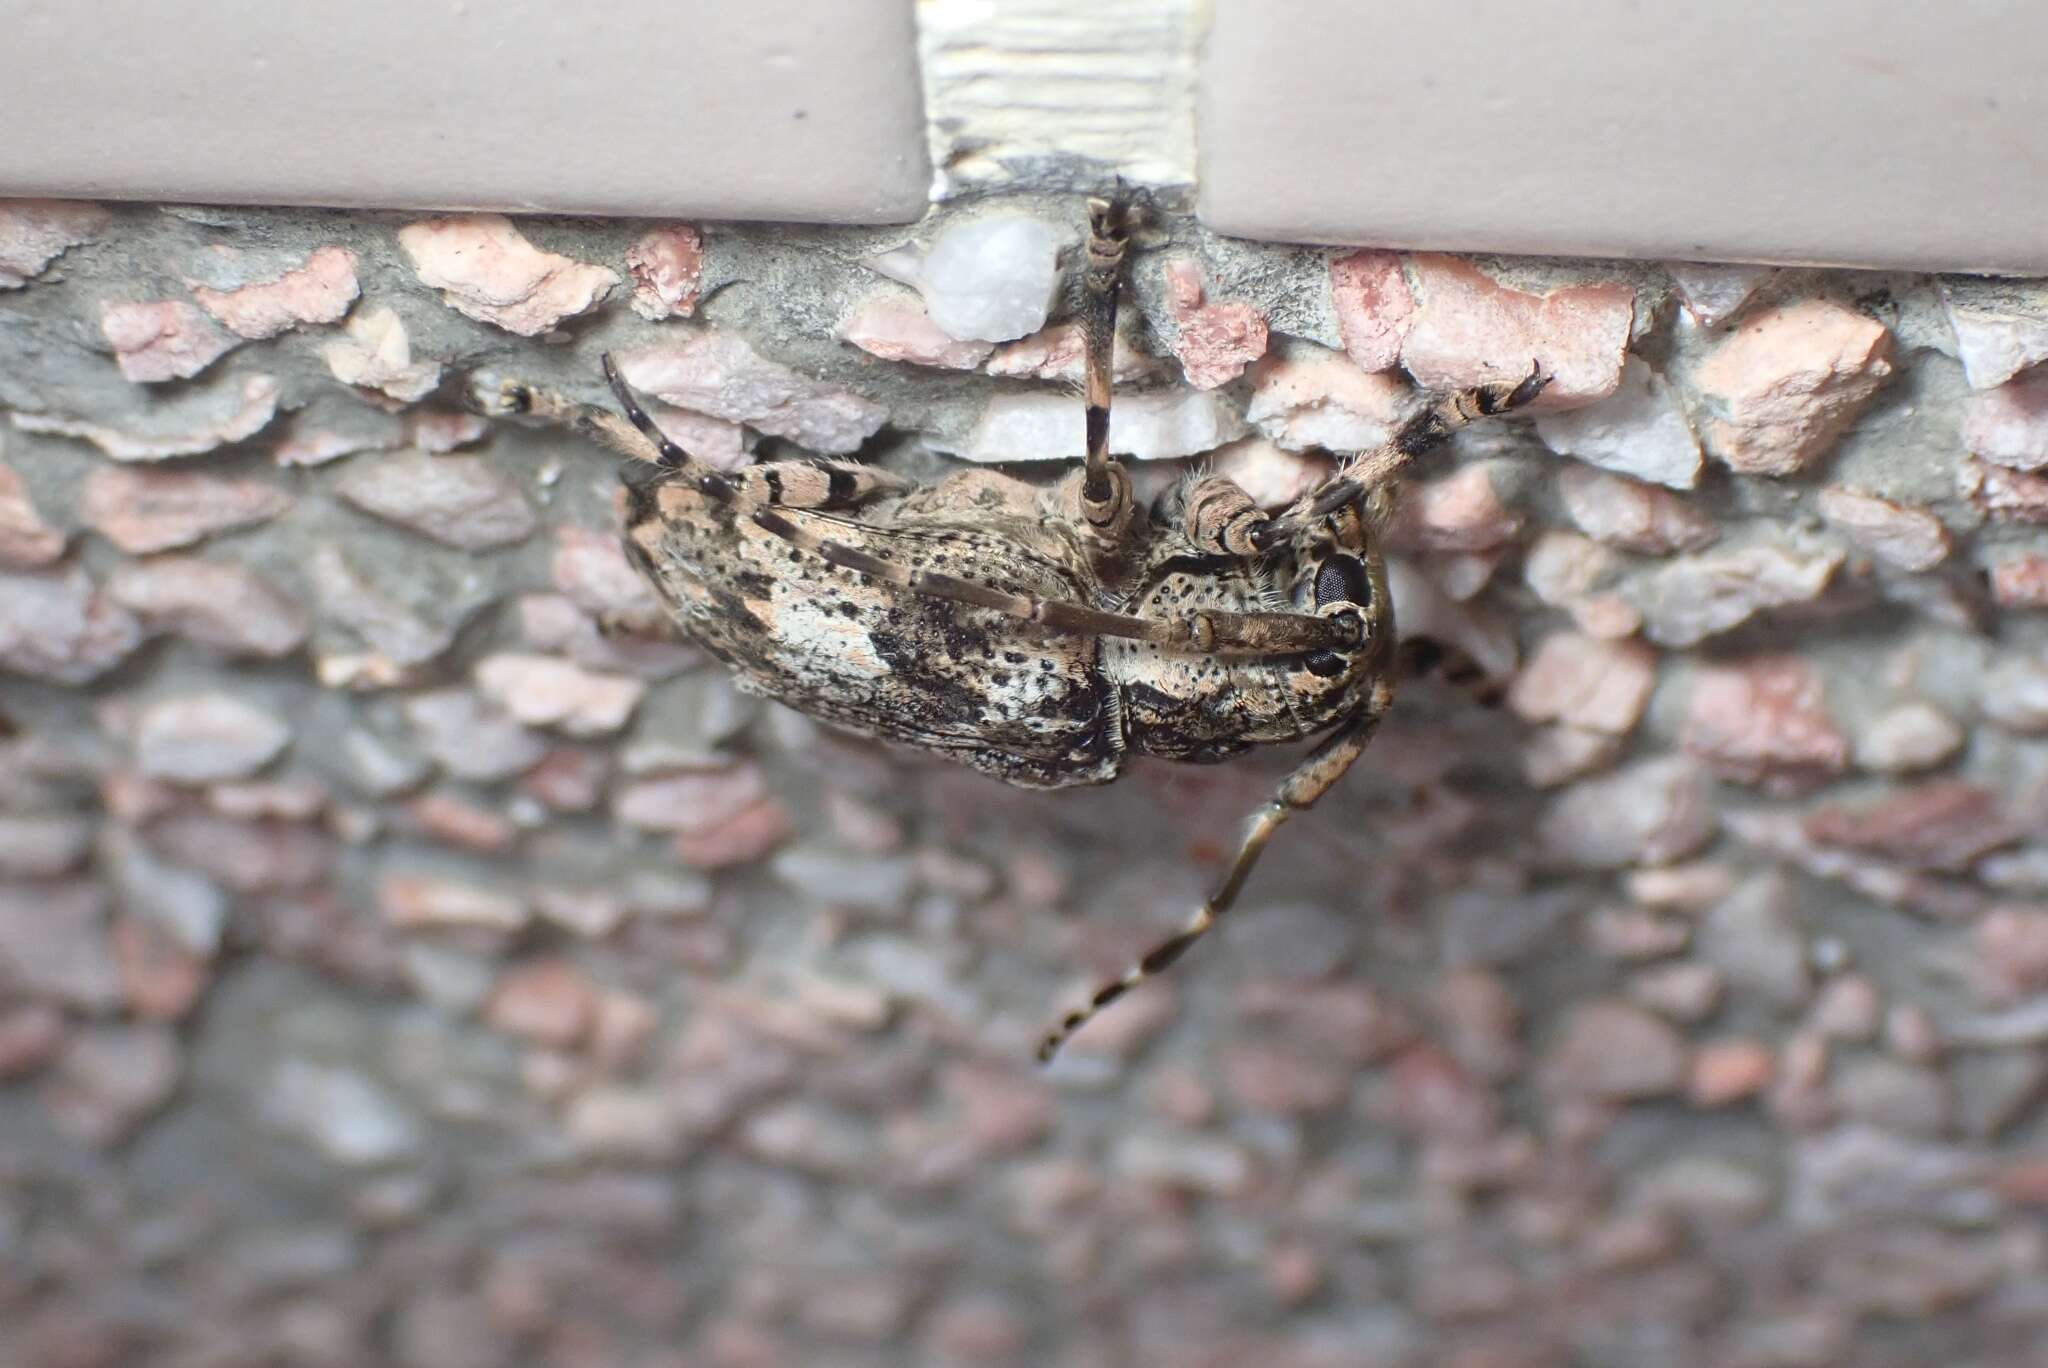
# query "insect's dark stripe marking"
(852, 558)
(1192, 565)
(1233, 529)
(1167, 951)
(772, 477)
(839, 484)
(1339, 494)
(1098, 439)
(773, 522)
(1420, 433)
(640, 506)
(672, 456)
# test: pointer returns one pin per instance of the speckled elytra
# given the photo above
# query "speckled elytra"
(1038, 635)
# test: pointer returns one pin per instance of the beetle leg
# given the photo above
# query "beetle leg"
(1420, 657)
(1298, 792)
(1105, 500)
(1421, 434)
(1219, 518)
(793, 484)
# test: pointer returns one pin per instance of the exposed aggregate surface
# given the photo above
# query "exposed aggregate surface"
(394, 968)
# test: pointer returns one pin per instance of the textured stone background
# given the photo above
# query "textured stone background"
(394, 969)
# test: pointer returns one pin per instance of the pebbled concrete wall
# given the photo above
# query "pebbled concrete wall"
(393, 968)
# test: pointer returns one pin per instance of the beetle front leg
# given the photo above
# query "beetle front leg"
(1105, 500)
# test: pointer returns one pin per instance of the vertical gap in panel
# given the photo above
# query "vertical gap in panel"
(1059, 95)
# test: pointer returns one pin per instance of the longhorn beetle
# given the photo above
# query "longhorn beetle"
(1038, 635)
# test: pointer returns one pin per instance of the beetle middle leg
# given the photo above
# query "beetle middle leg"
(1298, 792)
(1219, 518)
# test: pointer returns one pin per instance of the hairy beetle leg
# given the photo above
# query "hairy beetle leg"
(1106, 501)
(1418, 436)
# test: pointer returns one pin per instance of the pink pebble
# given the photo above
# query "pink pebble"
(186, 425)
(2001, 326)
(2006, 495)
(1903, 537)
(1470, 329)
(486, 270)
(164, 339)
(666, 267)
(1714, 293)
(1215, 342)
(1618, 511)
(375, 353)
(721, 375)
(1375, 307)
(1786, 384)
(1601, 685)
(1458, 512)
(35, 232)
(2020, 581)
(2009, 425)
(1316, 398)
(318, 291)
(25, 539)
(1058, 352)
(142, 511)
(1765, 721)
(895, 327)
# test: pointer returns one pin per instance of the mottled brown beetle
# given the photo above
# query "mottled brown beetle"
(1038, 635)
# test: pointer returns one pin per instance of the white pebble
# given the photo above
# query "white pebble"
(987, 280)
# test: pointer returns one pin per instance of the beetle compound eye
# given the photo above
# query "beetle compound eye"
(1342, 579)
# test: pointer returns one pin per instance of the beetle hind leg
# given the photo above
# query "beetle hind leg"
(1447, 663)
(1298, 792)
